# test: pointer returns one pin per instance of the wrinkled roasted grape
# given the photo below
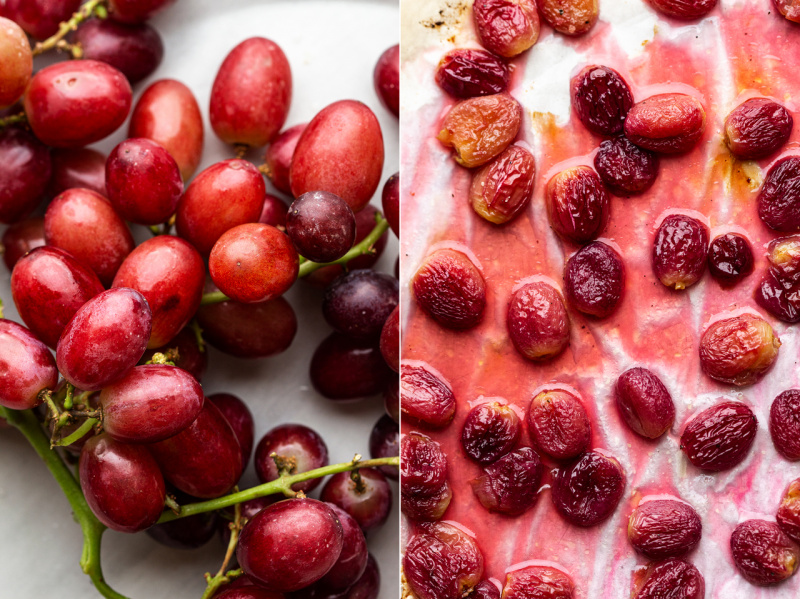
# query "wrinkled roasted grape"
(26, 367)
(167, 113)
(738, 350)
(423, 465)
(784, 424)
(384, 442)
(775, 298)
(249, 330)
(340, 151)
(390, 201)
(466, 73)
(204, 459)
(25, 167)
(559, 425)
(321, 225)
(594, 280)
(451, 289)
(143, 181)
(644, 402)
(684, 9)
(442, 562)
(625, 168)
(784, 259)
(730, 258)
(253, 263)
(577, 204)
(77, 167)
(779, 198)
(20, 238)
(290, 544)
(478, 129)
(788, 515)
(427, 399)
(537, 321)
(502, 189)
(666, 123)
(352, 561)
(490, 431)
(367, 498)
(486, 590)
(49, 286)
(251, 93)
(671, 578)
(77, 102)
(386, 78)
(790, 9)
(510, 485)
(358, 303)
(535, 581)
(40, 18)
(135, 11)
(190, 532)
(105, 339)
(506, 27)
(278, 156)
(757, 128)
(427, 507)
(122, 484)
(390, 339)
(680, 251)
(587, 491)
(85, 224)
(16, 65)
(297, 447)
(136, 50)
(223, 196)
(763, 554)
(343, 368)
(601, 98)
(570, 17)
(719, 437)
(662, 528)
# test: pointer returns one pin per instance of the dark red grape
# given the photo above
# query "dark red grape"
(386, 78)
(40, 18)
(490, 431)
(77, 167)
(105, 339)
(427, 399)
(772, 295)
(601, 98)
(25, 168)
(190, 357)
(16, 66)
(390, 200)
(719, 437)
(577, 204)
(390, 340)
(625, 168)
(669, 578)
(20, 238)
(352, 561)
(298, 449)
(684, 9)
(358, 303)
(559, 425)
(367, 497)
(274, 212)
(538, 581)
(510, 485)
(135, 11)
(680, 249)
(26, 367)
(662, 528)
(425, 492)
(506, 27)
(502, 189)
(730, 258)
(122, 484)
(343, 368)
(391, 399)
(757, 128)
(466, 73)
(426, 507)
(189, 532)
(136, 50)
(278, 157)
(779, 198)
(784, 424)
(321, 226)
(537, 321)
(486, 590)
(594, 280)
(384, 442)
(644, 402)
(290, 544)
(240, 418)
(587, 491)
(788, 515)
(666, 123)
(763, 554)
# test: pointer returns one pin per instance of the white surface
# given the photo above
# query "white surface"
(332, 46)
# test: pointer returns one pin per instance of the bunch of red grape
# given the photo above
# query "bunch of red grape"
(129, 322)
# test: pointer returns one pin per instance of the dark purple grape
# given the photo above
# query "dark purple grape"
(763, 554)
(390, 340)
(594, 280)
(344, 369)
(321, 225)
(679, 251)
(391, 399)
(757, 128)
(367, 496)
(240, 418)
(601, 98)
(625, 168)
(298, 449)
(510, 485)
(587, 491)
(384, 442)
(719, 437)
(25, 168)
(427, 399)
(465, 73)
(644, 403)
(784, 424)
(490, 431)
(779, 199)
(486, 590)
(662, 528)
(730, 258)
(357, 304)
(684, 9)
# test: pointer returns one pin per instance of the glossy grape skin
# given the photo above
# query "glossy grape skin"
(506, 27)
(49, 286)
(427, 399)
(20, 238)
(644, 403)
(625, 168)
(684, 9)
(321, 225)
(390, 340)
(16, 66)
(669, 123)
(730, 258)
(190, 532)
(384, 442)
(340, 151)
(77, 102)
(278, 156)
(223, 196)
(240, 418)
(757, 128)
(167, 113)
(719, 437)
(301, 533)
(253, 263)
(352, 561)
(368, 501)
(680, 251)
(25, 168)
(661, 528)
(779, 197)
(105, 339)
(390, 200)
(490, 431)
(40, 18)
(466, 72)
(425, 492)
(763, 554)
(570, 17)
(299, 446)
(251, 93)
(143, 181)
(391, 399)
(135, 11)
(386, 78)
(538, 581)
(26, 367)
(190, 358)
(136, 50)
(359, 303)
(537, 321)
(670, 577)
(274, 212)
(502, 189)
(122, 484)
(559, 425)
(594, 279)
(577, 204)
(204, 459)
(601, 98)
(85, 224)
(249, 330)
(151, 403)
(587, 491)
(77, 167)
(348, 369)
(510, 485)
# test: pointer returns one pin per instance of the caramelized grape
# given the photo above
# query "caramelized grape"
(669, 578)
(680, 251)
(662, 528)
(779, 198)
(558, 424)
(577, 204)
(625, 168)
(425, 492)
(506, 27)
(730, 258)
(644, 403)
(537, 321)
(538, 581)
(490, 431)
(757, 128)
(466, 73)
(427, 399)
(510, 485)
(587, 492)
(775, 298)
(570, 17)
(594, 279)
(790, 9)
(502, 189)
(684, 9)
(763, 554)
(788, 516)
(601, 98)
(784, 424)
(666, 123)
(719, 437)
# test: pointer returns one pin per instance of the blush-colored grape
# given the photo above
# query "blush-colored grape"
(427, 399)
(587, 491)
(510, 485)
(386, 78)
(680, 251)
(757, 128)
(537, 321)
(502, 189)
(662, 528)
(25, 168)
(779, 199)
(577, 204)
(763, 554)
(570, 17)
(559, 425)
(644, 402)
(784, 424)
(16, 66)
(278, 156)
(625, 168)
(669, 578)
(26, 367)
(538, 581)
(297, 447)
(719, 437)
(730, 258)
(506, 27)
(666, 123)
(490, 431)
(684, 9)
(594, 279)
(466, 73)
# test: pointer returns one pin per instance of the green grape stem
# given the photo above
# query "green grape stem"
(87, 11)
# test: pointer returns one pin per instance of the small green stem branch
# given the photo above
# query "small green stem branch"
(214, 582)
(13, 119)
(281, 485)
(214, 297)
(88, 10)
(78, 434)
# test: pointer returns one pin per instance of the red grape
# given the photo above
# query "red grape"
(278, 157)
(502, 189)
(625, 168)
(343, 368)
(427, 399)
(719, 437)
(390, 340)
(577, 204)
(680, 251)
(387, 79)
(26, 367)
(666, 123)
(510, 485)
(390, 200)
(135, 11)
(77, 167)
(757, 128)
(570, 17)
(240, 418)
(359, 303)
(40, 18)
(16, 61)
(594, 279)
(274, 212)
(661, 528)
(763, 554)
(587, 491)
(352, 562)
(20, 238)
(506, 27)
(538, 581)
(25, 168)
(321, 225)
(559, 425)
(367, 499)
(384, 442)
(601, 98)
(297, 447)
(190, 358)
(644, 403)
(490, 431)
(466, 73)
(537, 321)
